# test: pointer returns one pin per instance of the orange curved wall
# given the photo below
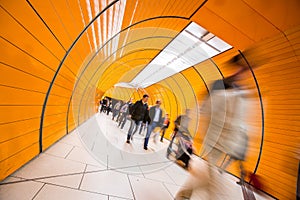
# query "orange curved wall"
(52, 76)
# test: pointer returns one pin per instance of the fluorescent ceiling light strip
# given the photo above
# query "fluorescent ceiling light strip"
(84, 25)
(128, 30)
(186, 50)
(90, 19)
(104, 27)
(120, 8)
(114, 26)
(97, 10)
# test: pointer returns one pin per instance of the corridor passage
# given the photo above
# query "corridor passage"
(76, 168)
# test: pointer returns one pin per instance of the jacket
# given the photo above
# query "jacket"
(139, 111)
(152, 114)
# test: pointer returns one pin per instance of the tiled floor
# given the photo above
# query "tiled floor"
(94, 162)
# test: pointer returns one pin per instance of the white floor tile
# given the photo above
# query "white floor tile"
(157, 173)
(117, 198)
(72, 181)
(60, 149)
(51, 192)
(72, 139)
(145, 189)
(107, 182)
(91, 168)
(173, 189)
(83, 156)
(46, 165)
(177, 174)
(19, 191)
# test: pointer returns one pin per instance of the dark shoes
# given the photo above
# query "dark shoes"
(146, 148)
(128, 141)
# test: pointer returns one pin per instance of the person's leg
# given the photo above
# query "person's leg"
(141, 128)
(149, 131)
(187, 189)
(121, 119)
(124, 121)
(132, 125)
(155, 134)
(214, 156)
(225, 165)
(118, 117)
(163, 129)
(169, 149)
(137, 125)
(113, 114)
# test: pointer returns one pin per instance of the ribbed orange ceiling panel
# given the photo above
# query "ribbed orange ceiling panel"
(279, 13)
(244, 18)
(25, 16)
(221, 28)
(23, 51)
(148, 8)
(65, 24)
(137, 11)
(237, 22)
(51, 14)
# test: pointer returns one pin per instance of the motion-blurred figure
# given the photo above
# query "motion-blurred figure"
(166, 123)
(183, 138)
(124, 112)
(116, 109)
(226, 133)
(155, 119)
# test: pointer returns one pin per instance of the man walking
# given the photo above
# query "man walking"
(138, 113)
(155, 114)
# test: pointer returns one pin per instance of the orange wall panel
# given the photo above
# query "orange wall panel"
(11, 164)
(18, 128)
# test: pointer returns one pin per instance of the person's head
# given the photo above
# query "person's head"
(145, 98)
(158, 103)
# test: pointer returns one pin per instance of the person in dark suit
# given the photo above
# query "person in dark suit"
(138, 113)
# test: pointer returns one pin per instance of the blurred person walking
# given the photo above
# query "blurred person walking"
(166, 123)
(116, 109)
(155, 119)
(124, 112)
(182, 121)
(226, 134)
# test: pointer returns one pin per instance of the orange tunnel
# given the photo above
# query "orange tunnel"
(59, 58)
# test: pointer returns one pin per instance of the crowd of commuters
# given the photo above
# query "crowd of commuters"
(141, 116)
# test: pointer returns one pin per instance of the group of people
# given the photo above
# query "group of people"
(141, 116)
(105, 105)
(151, 119)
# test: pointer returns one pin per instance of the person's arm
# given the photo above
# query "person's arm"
(133, 108)
(167, 126)
(177, 121)
(147, 117)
